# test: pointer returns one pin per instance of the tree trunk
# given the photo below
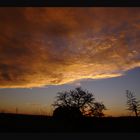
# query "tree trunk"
(136, 113)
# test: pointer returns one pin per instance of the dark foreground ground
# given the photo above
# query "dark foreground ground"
(30, 123)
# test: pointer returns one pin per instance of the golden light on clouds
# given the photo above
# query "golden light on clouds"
(52, 46)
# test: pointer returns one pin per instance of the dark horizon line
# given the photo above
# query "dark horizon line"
(45, 115)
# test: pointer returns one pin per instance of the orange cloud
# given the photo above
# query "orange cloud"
(52, 46)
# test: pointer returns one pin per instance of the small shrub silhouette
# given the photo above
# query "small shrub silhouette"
(67, 112)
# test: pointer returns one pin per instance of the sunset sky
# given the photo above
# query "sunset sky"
(47, 50)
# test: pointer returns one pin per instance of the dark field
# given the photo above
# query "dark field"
(31, 123)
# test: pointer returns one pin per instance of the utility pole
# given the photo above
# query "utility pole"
(16, 110)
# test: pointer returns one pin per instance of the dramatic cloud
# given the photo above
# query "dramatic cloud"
(51, 46)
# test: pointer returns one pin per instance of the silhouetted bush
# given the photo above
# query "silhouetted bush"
(67, 112)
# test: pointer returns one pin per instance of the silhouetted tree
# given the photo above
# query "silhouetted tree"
(132, 103)
(97, 109)
(77, 102)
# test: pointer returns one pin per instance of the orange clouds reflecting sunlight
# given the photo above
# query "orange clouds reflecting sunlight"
(52, 46)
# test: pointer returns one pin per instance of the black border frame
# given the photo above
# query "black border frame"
(70, 136)
(69, 3)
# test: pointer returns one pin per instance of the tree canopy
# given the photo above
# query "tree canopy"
(78, 100)
(133, 104)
